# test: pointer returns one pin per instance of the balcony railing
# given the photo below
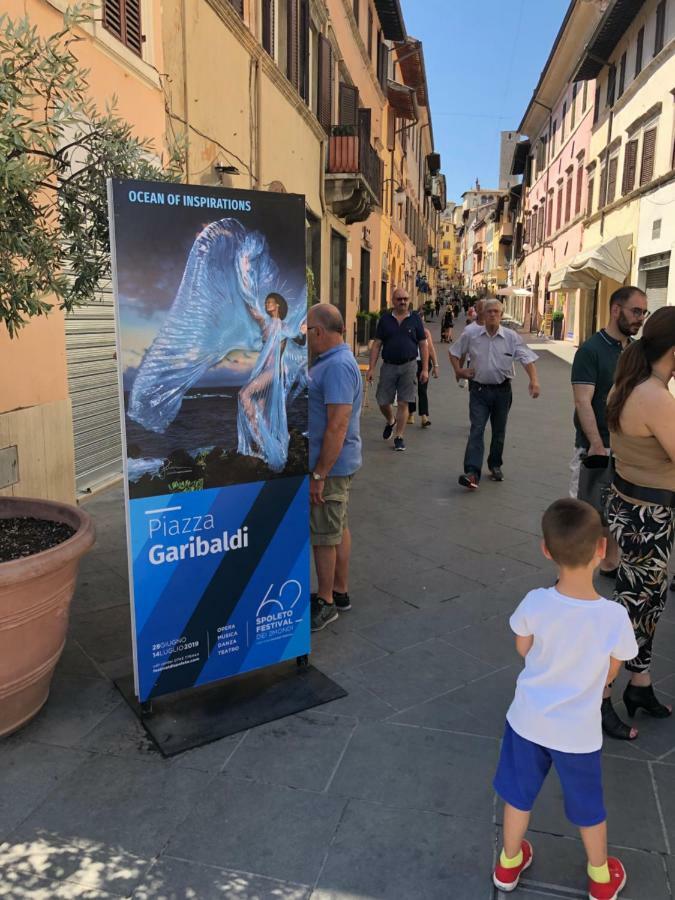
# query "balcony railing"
(350, 153)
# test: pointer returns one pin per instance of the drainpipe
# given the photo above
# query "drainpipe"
(258, 139)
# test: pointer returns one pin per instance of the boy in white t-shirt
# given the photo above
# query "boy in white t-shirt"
(573, 643)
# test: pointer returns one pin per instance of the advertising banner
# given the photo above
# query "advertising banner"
(212, 351)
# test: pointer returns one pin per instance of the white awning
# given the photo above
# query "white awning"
(513, 292)
(609, 260)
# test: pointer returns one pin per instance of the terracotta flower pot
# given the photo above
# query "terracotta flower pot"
(35, 595)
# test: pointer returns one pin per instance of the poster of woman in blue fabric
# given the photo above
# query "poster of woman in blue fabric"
(211, 306)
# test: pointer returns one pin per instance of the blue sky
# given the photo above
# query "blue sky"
(483, 60)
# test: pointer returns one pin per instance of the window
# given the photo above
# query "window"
(549, 216)
(660, 27)
(563, 121)
(589, 196)
(580, 187)
(602, 199)
(596, 108)
(553, 131)
(611, 178)
(558, 213)
(239, 6)
(573, 110)
(611, 86)
(584, 99)
(648, 152)
(568, 199)
(639, 50)
(370, 33)
(356, 11)
(622, 75)
(268, 26)
(540, 223)
(123, 19)
(325, 88)
(629, 167)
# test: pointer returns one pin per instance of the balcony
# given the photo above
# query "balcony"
(354, 174)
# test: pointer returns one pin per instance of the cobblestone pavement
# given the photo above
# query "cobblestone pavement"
(385, 794)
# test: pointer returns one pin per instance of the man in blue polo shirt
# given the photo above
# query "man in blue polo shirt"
(334, 456)
(400, 334)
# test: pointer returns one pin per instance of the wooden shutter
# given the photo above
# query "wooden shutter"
(629, 167)
(611, 178)
(540, 223)
(589, 196)
(558, 214)
(602, 200)
(268, 26)
(648, 151)
(239, 6)
(325, 84)
(596, 108)
(391, 129)
(611, 86)
(549, 216)
(365, 124)
(303, 86)
(580, 187)
(382, 62)
(348, 104)
(638, 51)
(660, 27)
(356, 11)
(370, 33)
(293, 60)
(622, 74)
(123, 19)
(568, 199)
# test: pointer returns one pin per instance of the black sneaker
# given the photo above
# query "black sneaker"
(388, 431)
(399, 443)
(322, 613)
(469, 481)
(342, 601)
(496, 474)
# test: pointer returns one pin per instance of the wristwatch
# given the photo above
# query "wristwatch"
(317, 477)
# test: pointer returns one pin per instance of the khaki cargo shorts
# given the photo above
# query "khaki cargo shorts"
(328, 520)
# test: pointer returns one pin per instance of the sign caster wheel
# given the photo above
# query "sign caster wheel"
(302, 661)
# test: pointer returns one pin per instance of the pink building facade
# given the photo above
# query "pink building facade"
(553, 161)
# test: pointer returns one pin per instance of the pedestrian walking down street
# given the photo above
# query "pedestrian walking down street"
(493, 351)
(422, 405)
(400, 335)
(573, 643)
(593, 371)
(335, 394)
(446, 326)
(641, 511)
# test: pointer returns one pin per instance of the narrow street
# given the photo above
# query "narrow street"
(383, 795)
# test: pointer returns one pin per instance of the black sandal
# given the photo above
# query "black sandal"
(635, 698)
(612, 724)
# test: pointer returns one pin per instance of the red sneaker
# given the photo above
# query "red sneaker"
(507, 879)
(616, 883)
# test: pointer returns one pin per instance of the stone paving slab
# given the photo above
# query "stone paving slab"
(381, 795)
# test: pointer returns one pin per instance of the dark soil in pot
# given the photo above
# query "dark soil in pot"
(23, 536)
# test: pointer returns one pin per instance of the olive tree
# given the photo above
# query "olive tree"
(56, 151)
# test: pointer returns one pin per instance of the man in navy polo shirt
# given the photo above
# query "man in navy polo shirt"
(400, 333)
(334, 456)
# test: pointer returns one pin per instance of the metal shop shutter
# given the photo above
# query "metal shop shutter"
(657, 288)
(92, 381)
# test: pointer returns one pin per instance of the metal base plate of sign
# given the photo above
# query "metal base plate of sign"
(188, 719)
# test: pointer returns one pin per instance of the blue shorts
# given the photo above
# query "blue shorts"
(522, 770)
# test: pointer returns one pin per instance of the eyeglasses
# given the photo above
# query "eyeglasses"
(639, 313)
(403, 298)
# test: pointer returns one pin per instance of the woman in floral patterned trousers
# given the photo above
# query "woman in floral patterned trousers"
(641, 509)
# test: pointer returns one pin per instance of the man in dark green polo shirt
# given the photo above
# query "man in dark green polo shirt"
(592, 378)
